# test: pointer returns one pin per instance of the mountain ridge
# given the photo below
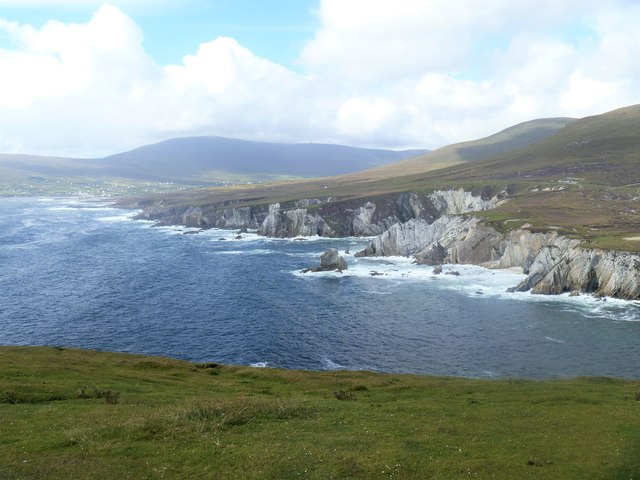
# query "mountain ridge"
(198, 161)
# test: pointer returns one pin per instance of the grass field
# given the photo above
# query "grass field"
(86, 415)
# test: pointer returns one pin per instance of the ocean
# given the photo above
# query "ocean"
(78, 273)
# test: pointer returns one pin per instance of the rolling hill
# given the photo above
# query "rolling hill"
(517, 136)
(198, 161)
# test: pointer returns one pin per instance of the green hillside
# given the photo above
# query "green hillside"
(518, 136)
(84, 415)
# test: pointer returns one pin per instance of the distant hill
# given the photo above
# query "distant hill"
(198, 158)
(207, 160)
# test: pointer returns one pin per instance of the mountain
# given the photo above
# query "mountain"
(198, 158)
(200, 161)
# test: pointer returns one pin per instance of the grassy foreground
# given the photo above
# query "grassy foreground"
(82, 414)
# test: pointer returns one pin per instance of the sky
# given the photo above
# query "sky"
(85, 78)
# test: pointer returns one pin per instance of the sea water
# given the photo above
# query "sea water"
(83, 274)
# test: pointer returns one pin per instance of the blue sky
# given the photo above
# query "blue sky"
(87, 78)
(275, 30)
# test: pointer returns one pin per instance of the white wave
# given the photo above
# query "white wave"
(255, 251)
(216, 234)
(105, 208)
(126, 217)
(475, 281)
(62, 209)
(377, 292)
(259, 364)
(554, 340)
(177, 230)
(469, 277)
(331, 365)
(31, 223)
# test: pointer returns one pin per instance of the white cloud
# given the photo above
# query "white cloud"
(83, 4)
(407, 74)
(457, 70)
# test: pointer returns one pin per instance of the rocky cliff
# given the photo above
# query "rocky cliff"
(327, 216)
(554, 264)
(371, 217)
(209, 216)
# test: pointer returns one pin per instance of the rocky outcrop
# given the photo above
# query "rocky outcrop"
(554, 264)
(410, 238)
(329, 261)
(227, 217)
(455, 202)
(342, 218)
(283, 223)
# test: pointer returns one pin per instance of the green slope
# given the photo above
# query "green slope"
(518, 136)
(166, 418)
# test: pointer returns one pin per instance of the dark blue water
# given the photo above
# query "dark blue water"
(80, 275)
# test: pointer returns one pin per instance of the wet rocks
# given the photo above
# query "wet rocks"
(329, 261)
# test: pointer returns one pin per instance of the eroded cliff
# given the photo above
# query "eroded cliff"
(326, 216)
(553, 263)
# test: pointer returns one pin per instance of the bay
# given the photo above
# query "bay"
(82, 274)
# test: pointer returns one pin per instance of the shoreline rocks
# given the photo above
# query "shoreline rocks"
(553, 264)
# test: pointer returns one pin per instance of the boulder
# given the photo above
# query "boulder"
(329, 261)
(435, 255)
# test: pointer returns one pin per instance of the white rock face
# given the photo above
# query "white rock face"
(363, 220)
(292, 223)
(418, 236)
(410, 238)
(556, 264)
(455, 202)
(366, 220)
